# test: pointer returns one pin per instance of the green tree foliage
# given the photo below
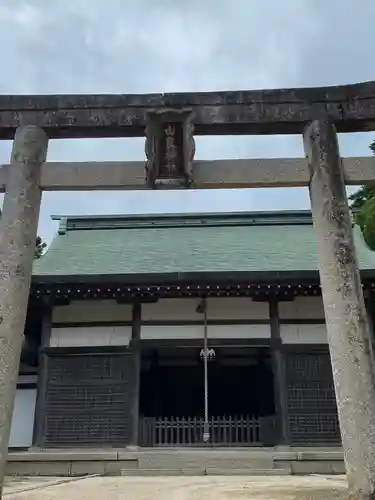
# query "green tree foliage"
(366, 219)
(40, 248)
(360, 197)
(363, 204)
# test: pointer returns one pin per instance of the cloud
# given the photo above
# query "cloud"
(90, 46)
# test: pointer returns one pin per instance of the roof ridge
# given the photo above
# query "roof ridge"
(156, 215)
(101, 222)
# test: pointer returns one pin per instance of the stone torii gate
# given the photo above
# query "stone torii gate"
(169, 123)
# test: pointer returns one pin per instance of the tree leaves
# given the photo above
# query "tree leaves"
(363, 202)
(360, 197)
(366, 220)
(40, 248)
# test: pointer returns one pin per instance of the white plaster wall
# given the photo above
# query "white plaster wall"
(21, 432)
(236, 308)
(239, 332)
(92, 310)
(302, 308)
(28, 379)
(213, 332)
(172, 332)
(304, 334)
(171, 310)
(89, 336)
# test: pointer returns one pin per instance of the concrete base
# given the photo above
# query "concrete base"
(161, 462)
(68, 463)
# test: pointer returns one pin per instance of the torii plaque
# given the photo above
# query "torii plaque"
(170, 149)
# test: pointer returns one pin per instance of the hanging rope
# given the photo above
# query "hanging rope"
(206, 427)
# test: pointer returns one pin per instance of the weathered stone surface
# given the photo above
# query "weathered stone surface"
(311, 467)
(205, 174)
(338, 467)
(63, 455)
(89, 467)
(17, 245)
(346, 317)
(313, 455)
(40, 468)
(170, 149)
(350, 107)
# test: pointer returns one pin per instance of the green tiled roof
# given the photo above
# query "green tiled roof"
(163, 244)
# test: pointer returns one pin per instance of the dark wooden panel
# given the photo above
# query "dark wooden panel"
(279, 374)
(38, 434)
(89, 399)
(311, 402)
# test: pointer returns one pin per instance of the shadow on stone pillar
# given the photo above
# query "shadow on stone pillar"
(18, 232)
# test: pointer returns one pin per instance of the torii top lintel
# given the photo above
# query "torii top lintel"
(282, 111)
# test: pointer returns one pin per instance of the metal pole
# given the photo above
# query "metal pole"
(206, 427)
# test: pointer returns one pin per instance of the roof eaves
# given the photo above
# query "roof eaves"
(99, 222)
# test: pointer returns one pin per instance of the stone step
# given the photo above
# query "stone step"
(163, 472)
(205, 472)
(248, 472)
(204, 460)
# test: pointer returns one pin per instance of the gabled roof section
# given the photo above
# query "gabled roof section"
(162, 244)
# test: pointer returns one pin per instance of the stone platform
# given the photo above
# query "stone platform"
(178, 488)
(175, 462)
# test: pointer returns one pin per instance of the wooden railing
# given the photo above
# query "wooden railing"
(225, 431)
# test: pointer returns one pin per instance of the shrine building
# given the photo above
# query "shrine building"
(179, 330)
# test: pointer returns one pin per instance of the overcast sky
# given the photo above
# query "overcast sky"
(119, 46)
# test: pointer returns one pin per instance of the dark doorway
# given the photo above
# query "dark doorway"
(240, 382)
(171, 383)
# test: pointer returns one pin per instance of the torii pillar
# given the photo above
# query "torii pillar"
(18, 232)
(346, 317)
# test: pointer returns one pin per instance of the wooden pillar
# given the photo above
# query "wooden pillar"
(279, 374)
(40, 406)
(136, 347)
(18, 234)
(345, 312)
